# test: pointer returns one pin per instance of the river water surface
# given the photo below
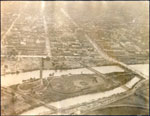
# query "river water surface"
(12, 79)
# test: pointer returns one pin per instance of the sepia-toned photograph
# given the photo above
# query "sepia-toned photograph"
(74, 58)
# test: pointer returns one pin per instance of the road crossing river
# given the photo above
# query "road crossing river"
(12, 79)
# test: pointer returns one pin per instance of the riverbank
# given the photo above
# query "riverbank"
(11, 79)
(77, 101)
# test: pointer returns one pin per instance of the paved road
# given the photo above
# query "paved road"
(43, 9)
(99, 50)
(15, 20)
(48, 48)
(91, 40)
(11, 26)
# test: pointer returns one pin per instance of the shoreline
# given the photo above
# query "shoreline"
(8, 80)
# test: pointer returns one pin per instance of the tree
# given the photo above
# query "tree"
(13, 53)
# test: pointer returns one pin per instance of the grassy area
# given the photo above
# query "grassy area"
(63, 87)
(59, 88)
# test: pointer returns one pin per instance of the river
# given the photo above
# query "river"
(74, 101)
(11, 79)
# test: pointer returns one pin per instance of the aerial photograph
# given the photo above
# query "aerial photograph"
(74, 58)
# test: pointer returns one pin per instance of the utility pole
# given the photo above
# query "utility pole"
(42, 67)
(41, 70)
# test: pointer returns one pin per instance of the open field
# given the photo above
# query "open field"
(56, 89)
